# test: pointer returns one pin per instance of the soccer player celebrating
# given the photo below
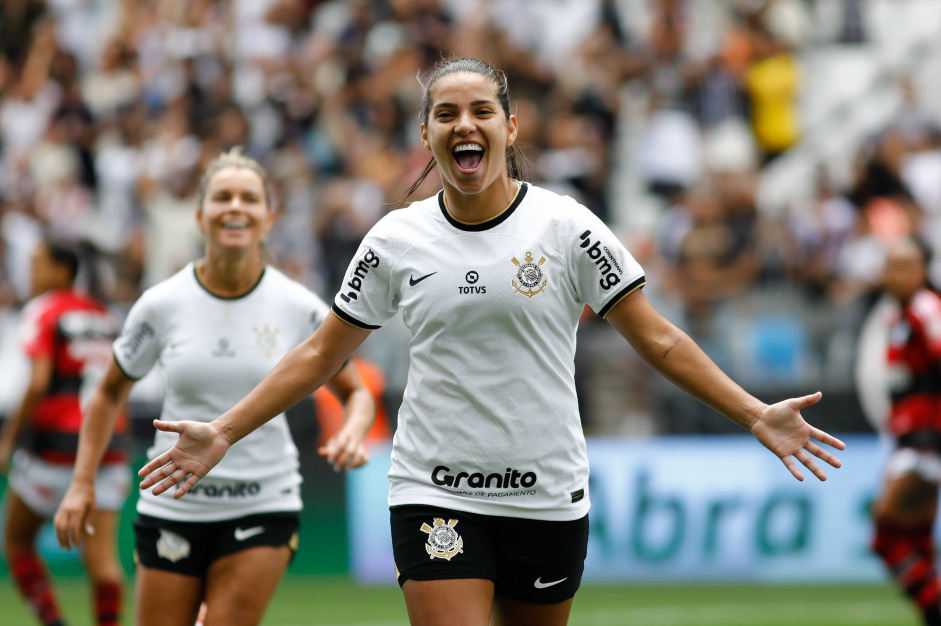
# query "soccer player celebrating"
(216, 328)
(905, 511)
(67, 335)
(489, 457)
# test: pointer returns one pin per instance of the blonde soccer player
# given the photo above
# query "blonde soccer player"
(215, 330)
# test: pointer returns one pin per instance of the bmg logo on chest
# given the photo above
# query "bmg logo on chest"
(360, 272)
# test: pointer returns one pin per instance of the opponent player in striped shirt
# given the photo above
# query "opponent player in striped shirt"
(489, 478)
(908, 505)
(67, 336)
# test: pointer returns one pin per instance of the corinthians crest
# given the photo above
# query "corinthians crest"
(529, 276)
(172, 546)
(266, 340)
(443, 540)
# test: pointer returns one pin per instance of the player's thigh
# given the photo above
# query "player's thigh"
(433, 543)
(910, 492)
(507, 612)
(100, 555)
(449, 602)
(540, 562)
(22, 523)
(164, 598)
(248, 557)
(446, 564)
(239, 586)
(908, 498)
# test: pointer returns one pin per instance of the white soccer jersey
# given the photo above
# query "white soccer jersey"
(212, 352)
(489, 422)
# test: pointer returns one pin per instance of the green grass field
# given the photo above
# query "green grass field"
(337, 601)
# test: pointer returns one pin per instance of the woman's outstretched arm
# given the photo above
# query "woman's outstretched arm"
(779, 427)
(345, 450)
(202, 445)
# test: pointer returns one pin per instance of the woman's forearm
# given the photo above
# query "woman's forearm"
(671, 352)
(99, 420)
(679, 359)
(299, 374)
(359, 411)
(98, 424)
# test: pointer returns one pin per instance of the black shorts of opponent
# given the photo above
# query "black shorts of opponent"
(189, 548)
(528, 560)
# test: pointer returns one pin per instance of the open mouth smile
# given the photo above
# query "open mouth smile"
(468, 157)
(235, 225)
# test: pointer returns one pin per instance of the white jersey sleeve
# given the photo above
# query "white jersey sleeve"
(600, 267)
(367, 298)
(137, 349)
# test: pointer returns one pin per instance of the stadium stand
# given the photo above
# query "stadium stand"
(755, 155)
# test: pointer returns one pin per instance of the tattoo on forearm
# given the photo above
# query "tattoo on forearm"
(664, 354)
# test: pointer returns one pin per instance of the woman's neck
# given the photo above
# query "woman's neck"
(489, 203)
(229, 277)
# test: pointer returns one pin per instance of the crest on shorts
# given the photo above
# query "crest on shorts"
(443, 540)
(172, 547)
(529, 276)
(266, 340)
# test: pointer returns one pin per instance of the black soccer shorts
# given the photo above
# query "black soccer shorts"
(189, 548)
(528, 560)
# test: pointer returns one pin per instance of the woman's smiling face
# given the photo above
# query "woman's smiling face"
(235, 213)
(468, 132)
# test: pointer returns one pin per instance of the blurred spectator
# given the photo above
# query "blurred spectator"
(710, 245)
(878, 170)
(17, 19)
(921, 174)
(852, 23)
(772, 81)
(821, 228)
(671, 142)
(114, 84)
(788, 21)
(911, 121)
(171, 238)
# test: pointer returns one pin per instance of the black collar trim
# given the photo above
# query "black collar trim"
(218, 297)
(476, 228)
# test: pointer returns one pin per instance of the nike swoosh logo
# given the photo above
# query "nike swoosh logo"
(242, 535)
(541, 585)
(412, 281)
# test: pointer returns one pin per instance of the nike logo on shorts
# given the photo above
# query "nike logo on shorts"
(541, 585)
(412, 281)
(242, 535)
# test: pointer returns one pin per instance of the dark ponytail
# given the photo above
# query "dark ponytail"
(517, 166)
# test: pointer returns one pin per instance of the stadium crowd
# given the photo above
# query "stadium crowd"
(102, 137)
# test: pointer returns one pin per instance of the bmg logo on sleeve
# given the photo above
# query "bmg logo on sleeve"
(607, 264)
(142, 333)
(358, 275)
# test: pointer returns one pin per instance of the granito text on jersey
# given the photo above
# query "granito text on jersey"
(510, 479)
(237, 490)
